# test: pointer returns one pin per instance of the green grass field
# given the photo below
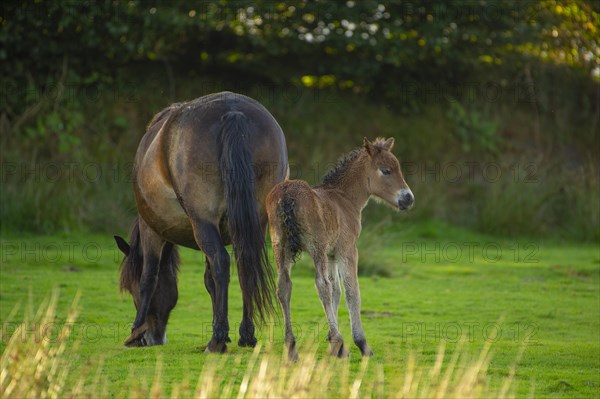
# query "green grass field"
(444, 284)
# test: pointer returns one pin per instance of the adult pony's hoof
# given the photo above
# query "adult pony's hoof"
(216, 347)
(137, 337)
(291, 350)
(247, 342)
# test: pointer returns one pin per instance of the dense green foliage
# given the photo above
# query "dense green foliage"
(362, 44)
(508, 84)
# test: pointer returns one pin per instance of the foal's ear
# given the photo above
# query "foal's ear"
(369, 146)
(122, 244)
(389, 144)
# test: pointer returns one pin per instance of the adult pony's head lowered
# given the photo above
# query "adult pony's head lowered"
(153, 331)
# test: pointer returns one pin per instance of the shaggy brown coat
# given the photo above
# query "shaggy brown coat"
(325, 221)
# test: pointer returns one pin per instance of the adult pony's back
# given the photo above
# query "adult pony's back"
(201, 175)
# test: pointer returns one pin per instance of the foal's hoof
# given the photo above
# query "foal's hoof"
(343, 352)
(339, 350)
(366, 351)
(293, 356)
(247, 342)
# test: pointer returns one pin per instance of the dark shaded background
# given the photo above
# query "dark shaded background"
(494, 104)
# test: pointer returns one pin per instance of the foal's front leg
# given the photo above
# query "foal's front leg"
(350, 278)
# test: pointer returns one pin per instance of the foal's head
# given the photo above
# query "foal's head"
(384, 175)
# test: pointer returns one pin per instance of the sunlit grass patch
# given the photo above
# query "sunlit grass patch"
(35, 363)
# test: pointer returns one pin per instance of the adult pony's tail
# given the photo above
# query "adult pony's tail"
(287, 214)
(247, 236)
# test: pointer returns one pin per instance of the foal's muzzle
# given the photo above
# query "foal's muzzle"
(405, 199)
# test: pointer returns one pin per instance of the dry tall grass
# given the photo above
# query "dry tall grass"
(33, 364)
(37, 368)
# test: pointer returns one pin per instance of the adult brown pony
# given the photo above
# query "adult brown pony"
(325, 222)
(201, 175)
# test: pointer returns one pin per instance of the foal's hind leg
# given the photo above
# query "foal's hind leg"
(326, 295)
(334, 278)
(349, 270)
(284, 293)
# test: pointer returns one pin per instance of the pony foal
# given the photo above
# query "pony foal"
(325, 222)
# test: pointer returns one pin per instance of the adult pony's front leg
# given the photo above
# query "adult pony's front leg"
(209, 241)
(154, 251)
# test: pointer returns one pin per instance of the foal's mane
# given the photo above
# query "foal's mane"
(336, 173)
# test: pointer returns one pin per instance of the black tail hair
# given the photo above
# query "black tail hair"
(287, 213)
(254, 271)
(133, 264)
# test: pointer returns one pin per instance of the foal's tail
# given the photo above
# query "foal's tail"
(247, 236)
(287, 214)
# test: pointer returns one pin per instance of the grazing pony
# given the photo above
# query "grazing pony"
(325, 222)
(201, 175)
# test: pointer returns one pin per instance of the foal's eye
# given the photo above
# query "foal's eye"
(385, 171)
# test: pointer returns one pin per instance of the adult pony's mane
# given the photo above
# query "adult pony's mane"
(336, 173)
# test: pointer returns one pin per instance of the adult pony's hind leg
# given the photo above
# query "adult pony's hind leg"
(209, 283)
(247, 337)
(209, 241)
